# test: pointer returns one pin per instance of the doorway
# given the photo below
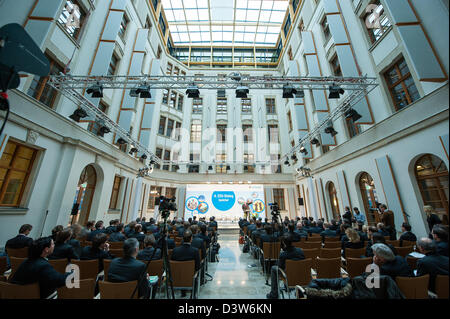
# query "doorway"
(83, 197)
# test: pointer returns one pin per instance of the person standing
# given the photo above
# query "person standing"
(387, 218)
(432, 217)
(359, 218)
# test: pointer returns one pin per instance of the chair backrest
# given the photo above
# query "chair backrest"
(329, 267)
(333, 244)
(406, 243)
(85, 243)
(441, 286)
(113, 290)
(414, 287)
(354, 252)
(330, 252)
(404, 251)
(12, 291)
(88, 268)
(412, 262)
(156, 268)
(357, 266)
(116, 245)
(59, 264)
(297, 244)
(2, 265)
(271, 250)
(118, 253)
(387, 238)
(311, 245)
(313, 254)
(15, 263)
(298, 272)
(314, 235)
(106, 264)
(169, 253)
(182, 272)
(17, 252)
(85, 291)
(332, 239)
(395, 243)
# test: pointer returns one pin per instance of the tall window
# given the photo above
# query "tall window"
(221, 133)
(170, 125)
(170, 192)
(39, 88)
(113, 65)
(273, 133)
(158, 154)
(270, 106)
(180, 102)
(325, 29)
(249, 159)
(432, 177)
(369, 196)
(333, 200)
(115, 192)
(247, 133)
(376, 28)
(221, 105)
(194, 168)
(336, 66)
(246, 104)
(196, 131)
(197, 105)
(278, 197)
(177, 131)
(162, 125)
(148, 24)
(166, 167)
(169, 69)
(352, 127)
(173, 99)
(94, 127)
(401, 85)
(159, 52)
(15, 169)
(123, 26)
(290, 54)
(275, 167)
(221, 168)
(74, 12)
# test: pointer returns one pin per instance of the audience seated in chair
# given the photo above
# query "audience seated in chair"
(99, 250)
(354, 241)
(21, 240)
(406, 234)
(63, 250)
(87, 229)
(138, 233)
(440, 236)
(99, 229)
(378, 238)
(55, 231)
(433, 263)
(390, 264)
(149, 249)
(327, 232)
(118, 235)
(74, 240)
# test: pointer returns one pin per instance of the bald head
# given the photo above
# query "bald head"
(426, 245)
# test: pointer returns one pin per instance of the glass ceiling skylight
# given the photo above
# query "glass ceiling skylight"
(222, 23)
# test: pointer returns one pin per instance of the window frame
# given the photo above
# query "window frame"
(117, 190)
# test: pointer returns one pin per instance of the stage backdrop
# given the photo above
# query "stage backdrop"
(223, 201)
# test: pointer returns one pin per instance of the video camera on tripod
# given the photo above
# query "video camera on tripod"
(275, 209)
(166, 205)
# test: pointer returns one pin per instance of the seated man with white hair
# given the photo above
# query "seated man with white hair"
(433, 263)
(390, 264)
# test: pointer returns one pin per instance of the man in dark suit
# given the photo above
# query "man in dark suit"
(203, 234)
(268, 236)
(149, 249)
(62, 249)
(440, 236)
(21, 240)
(198, 242)
(433, 263)
(327, 232)
(300, 230)
(296, 237)
(347, 215)
(99, 250)
(129, 269)
(138, 233)
(407, 234)
(290, 252)
(390, 264)
(118, 235)
(98, 230)
(212, 222)
(37, 269)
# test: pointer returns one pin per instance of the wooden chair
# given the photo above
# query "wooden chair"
(329, 267)
(298, 272)
(85, 243)
(333, 244)
(312, 254)
(118, 253)
(297, 244)
(169, 253)
(270, 251)
(184, 276)
(156, 268)
(357, 266)
(395, 243)
(3, 265)
(386, 238)
(106, 264)
(18, 253)
(116, 245)
(412, 262)
(314, 240)
(355, 252)
(88, 268)
(311, 245)
(332, 239)
(414, 287)
(441, 286)
(315, 235)
(15, 263)
(330, 252)
(404, 251)
(113, 290)
(407, 243)
(12, 291)
(85, 291)
(59, 264)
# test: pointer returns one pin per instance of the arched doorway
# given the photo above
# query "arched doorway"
(369, 196)
(432, 178)
(333, 200)
(84, 195)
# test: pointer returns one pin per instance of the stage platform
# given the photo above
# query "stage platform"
(228, 227)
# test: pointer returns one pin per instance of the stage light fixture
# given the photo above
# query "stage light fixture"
(152, 162)
(241, 92)
(144, 156)
(121, 141)
(294, 157)
(351, 113)
(300, 94)
(286, 162)
(335, 92)
(193, 91)
(315, 141)
(289, 91)
(103, 130)
(78, 114)
(330, 130)
(96, 90)
(303, 150)
(133, 150)
(143, 91)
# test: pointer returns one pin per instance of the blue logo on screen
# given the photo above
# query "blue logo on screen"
(223, 201)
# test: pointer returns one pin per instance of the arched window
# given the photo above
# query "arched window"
(84, 195)
(333, 200)
(432, 178)
(369, 196)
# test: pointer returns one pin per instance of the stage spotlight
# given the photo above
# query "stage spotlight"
(121, 141)
(289, 91)
(300, 94)
(193, 92)
(103, 130)
(133, 150)
(144, 156)
(315, 141)
(242, 91)
(78, 114)
(228, 167)
(143, 91)
(294, 157)
(330, 130)
(286, 162)
(95, 90)
(303, 150)
(335, 92)
(152, 162)
(210, 168)
(351, 113)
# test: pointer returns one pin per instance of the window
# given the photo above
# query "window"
(165, 99)
(270, 106)
(94, 127)
(369, 196)
(173, 99)
(162, 125)
(352, 127)
(278, 197)
(376, 22)
(333, 200)
(289, 120)
(180, 102)
(246, 104)
(115, 192)
(247, 133)
(249, 159)
(39, 88)
(123, 26)
(170, 192)
(196, 131)
(325, 149)
(113, 65)
(177, 131)
(15, 169)
(335, 66)
(166, 167)
(273, 133)
(197, 105)
(325, 29)
(169, 69)
(155, 192)
(72, 18)
(401, 85)
(170, 125)
(221, 105)
(158, 154)
(194, 168)
(301, 27)
(176, 71)
(221, 168)
(221, 133)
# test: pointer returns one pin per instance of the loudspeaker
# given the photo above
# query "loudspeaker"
(75, 209)
(300, 201)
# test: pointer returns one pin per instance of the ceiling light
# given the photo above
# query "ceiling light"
(294, 157)
(303, 150)
(103, 130)
(351, 113)
(78, 114)
(330, 130)
(300, 94)
(286, 162)
(335, 92)
(193, 92)
(289, 91)
(121, 141)
(133, 150)
(143, 91)
(96, 90)
(241, 92)
(315, 141)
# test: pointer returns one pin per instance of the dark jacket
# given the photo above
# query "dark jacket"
(20, 241)
(170, 243)
(432, 220)
(296, 237)
(76, 246)
(91, 235)
(139, 236)
(291, 253)
(302, 233)
(186, 252)
(442, 248)
(347, 215)
(266, 238)
(397, 267)
(39, 270)
(110, 229)
(129, 269)
(351, 245)
(205, 238)
(328, 233)
(117, 237)
(432, 264)
(147, 253)
(88, 253)
(407, 235)
(63, 251)
(197, 242)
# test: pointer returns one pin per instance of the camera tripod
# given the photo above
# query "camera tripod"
(165, 257)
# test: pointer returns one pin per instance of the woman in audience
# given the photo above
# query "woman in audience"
(55, 231)
(62, 249)
(74, 240)
(99, 250)
(354, 241)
